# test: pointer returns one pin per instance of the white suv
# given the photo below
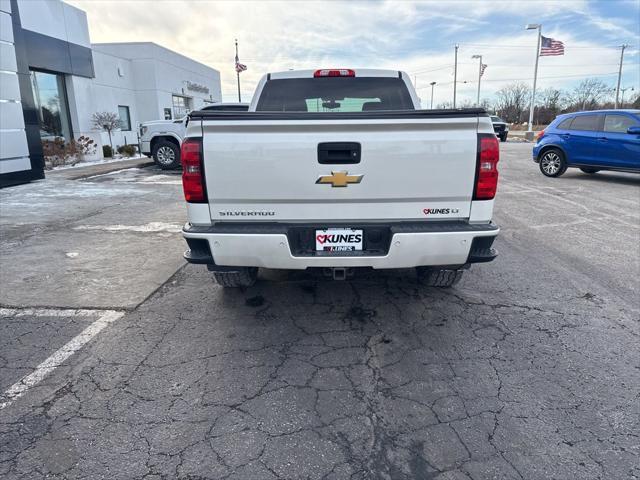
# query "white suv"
(161, 139)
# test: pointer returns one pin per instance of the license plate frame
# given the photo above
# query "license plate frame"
(339, 240)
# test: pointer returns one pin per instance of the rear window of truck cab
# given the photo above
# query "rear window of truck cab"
(334, 94)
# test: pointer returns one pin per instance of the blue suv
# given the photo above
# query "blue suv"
(591, 141)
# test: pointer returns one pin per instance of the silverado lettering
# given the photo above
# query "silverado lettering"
(245, 213)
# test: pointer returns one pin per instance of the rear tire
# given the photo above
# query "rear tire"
(552, 163)
(243, 277)
(590, 170)
(166, 155)
(438, 277)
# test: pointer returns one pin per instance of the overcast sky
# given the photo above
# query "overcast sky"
(417, 37)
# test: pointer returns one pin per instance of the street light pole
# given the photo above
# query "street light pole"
(534, 26)
(238, 73)
(620, 73)
(455, 76)
(433, 84)
(479, 77)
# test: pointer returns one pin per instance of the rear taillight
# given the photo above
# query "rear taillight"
(337, 72)
(540, 135)
(487, 167)
(192, 174)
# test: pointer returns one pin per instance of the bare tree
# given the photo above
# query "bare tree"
(550, 104)
(107, 121)
(444, 105)
(466, 103)
(588, 94)
(512, 100)
(486, 104)
(551, 98)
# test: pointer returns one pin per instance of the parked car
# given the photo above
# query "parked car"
(500, 127)
(591, 141)
(161, 139)
(339, 169)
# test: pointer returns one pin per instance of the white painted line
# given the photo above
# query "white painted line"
(50, 364)
(48, 312)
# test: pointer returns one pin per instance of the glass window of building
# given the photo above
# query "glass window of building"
(181, 106)
(50, 97)
(125, 118)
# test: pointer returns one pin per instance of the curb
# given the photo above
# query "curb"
(100, 169)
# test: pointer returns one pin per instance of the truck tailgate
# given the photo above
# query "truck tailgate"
(416, 168)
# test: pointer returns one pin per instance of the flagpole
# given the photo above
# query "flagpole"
(479, 80)
(455, 76)
(238, 73)
(529, 134)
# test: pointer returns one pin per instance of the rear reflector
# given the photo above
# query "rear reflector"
(340, 72)
(487, 167)
(540, 135)
(192, 174)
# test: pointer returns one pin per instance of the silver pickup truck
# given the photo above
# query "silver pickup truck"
(339, 169)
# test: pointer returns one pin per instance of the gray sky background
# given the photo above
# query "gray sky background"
(417, 37)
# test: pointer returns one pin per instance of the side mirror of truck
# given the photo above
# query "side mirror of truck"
(633, 130)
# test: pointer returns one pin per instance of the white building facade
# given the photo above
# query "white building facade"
(52, 81)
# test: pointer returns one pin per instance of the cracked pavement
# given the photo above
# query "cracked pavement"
(529, 369)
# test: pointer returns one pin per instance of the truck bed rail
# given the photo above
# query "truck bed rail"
(378, 115)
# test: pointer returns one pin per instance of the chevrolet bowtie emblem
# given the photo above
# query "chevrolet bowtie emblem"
(339, 179)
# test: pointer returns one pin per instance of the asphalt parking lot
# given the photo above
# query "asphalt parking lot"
(118, 361)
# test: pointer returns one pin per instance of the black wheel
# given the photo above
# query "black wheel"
(166, 154)
(503, 137)
(553, 163)
(244, 277)
(438, 277)
(590, 170)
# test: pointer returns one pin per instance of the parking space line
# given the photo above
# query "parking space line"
(48, 312)
(50, 364)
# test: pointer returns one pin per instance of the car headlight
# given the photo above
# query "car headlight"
(143, 130)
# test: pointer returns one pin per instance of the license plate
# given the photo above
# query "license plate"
(338, 240)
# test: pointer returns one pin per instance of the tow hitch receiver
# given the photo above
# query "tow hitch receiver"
(338, 273)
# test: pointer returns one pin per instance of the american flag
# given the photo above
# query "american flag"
(482, 69)
(239, 66)
(551, 47)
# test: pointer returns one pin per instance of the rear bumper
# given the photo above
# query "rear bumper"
(411, 245)
(535, 151)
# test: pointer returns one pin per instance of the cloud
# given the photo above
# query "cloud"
(417, 37)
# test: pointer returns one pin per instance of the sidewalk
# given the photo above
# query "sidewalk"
(519, 134)
(79, 172)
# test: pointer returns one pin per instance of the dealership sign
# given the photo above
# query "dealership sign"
(196, 87)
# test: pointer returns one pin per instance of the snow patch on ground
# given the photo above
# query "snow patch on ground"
(162, 180)
(151, 227)
(132, 175)
(98, 162)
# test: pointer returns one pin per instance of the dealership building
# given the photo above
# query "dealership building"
(53, 79)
